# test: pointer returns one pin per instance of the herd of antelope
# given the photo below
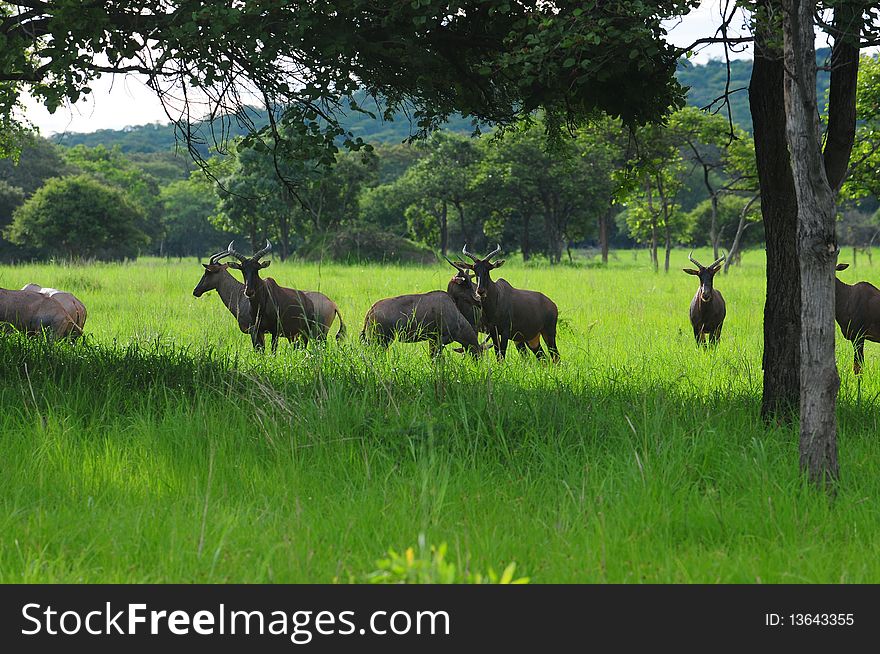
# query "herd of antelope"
(472, 303)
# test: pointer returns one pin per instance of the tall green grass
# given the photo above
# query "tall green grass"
(163, 449)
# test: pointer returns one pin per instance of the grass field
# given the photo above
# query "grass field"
(164, 450)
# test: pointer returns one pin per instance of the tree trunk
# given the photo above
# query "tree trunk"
(253, 235)
(782, 307)
(603, 233)
(818, 249)
(740, 228)
(654, 260)
(444, 228)
(524, 245)
(459, 207)
(713, 228)
(284, 232)
(668, 248)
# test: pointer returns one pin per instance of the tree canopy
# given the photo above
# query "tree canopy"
(495, 61)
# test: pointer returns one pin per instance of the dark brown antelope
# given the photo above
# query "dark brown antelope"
(463, 292)
(513, 314)
(218, 278)
(34, 314)
(275, 310)
(707, 308)
(857, 311)
(74, 307)
(431, 317)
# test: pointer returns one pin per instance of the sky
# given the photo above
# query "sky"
(125, 100)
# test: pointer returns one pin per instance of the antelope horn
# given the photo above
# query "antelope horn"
(215, 258)
(264, 251)
(719, 261)
(465, 252)
(694, 261)
(497, 250)
(453, 264)
(231, 252)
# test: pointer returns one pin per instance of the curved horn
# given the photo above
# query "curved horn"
(497, 250)
(231, 252)
(465, 252)
(453, 264)
(215, 258)
(264, 251)
(719, 261)
(694, 261)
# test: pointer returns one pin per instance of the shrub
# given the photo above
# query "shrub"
(365, 243)
(78, 217)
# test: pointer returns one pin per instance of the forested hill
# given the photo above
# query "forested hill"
(707, 82)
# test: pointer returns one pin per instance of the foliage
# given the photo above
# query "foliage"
(495, 61)
(112, 167)
(430, 566)
(362, 243)
(864, 179)
(37, 161)
(79, 217)
(730, 208)
(186, 208)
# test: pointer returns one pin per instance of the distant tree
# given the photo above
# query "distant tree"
(864, 179)
(187, 206)
(723, 154)
(732, 215)
(441, 182)
(112, 167)
(11, 197)
(651, 195)
(524, 178)
(385, 207)
(37, 161)
(79, 218)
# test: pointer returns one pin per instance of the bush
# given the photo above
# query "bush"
(78, 218)
(365, 243)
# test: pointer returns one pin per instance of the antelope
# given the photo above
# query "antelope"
(35, 313)
(510, 313)
(431, 317)
(857, 311)
(275, 310)
(231, 291)
(463, 292)
(75, 309)
(707, 308)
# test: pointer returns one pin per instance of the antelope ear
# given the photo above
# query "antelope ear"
(265, 264)
(842, 266)
(205, 265)
(691, 271)
(466, 266)
(497, 264)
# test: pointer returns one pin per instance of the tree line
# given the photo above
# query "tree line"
(691, 181)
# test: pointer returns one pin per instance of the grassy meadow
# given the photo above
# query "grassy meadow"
(164, 450)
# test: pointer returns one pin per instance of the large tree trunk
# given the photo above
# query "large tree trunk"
(818, 248)
(782, 307)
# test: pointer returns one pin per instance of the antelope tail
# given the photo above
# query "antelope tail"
(341, 333)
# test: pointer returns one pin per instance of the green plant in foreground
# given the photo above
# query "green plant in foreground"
(430, 566)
